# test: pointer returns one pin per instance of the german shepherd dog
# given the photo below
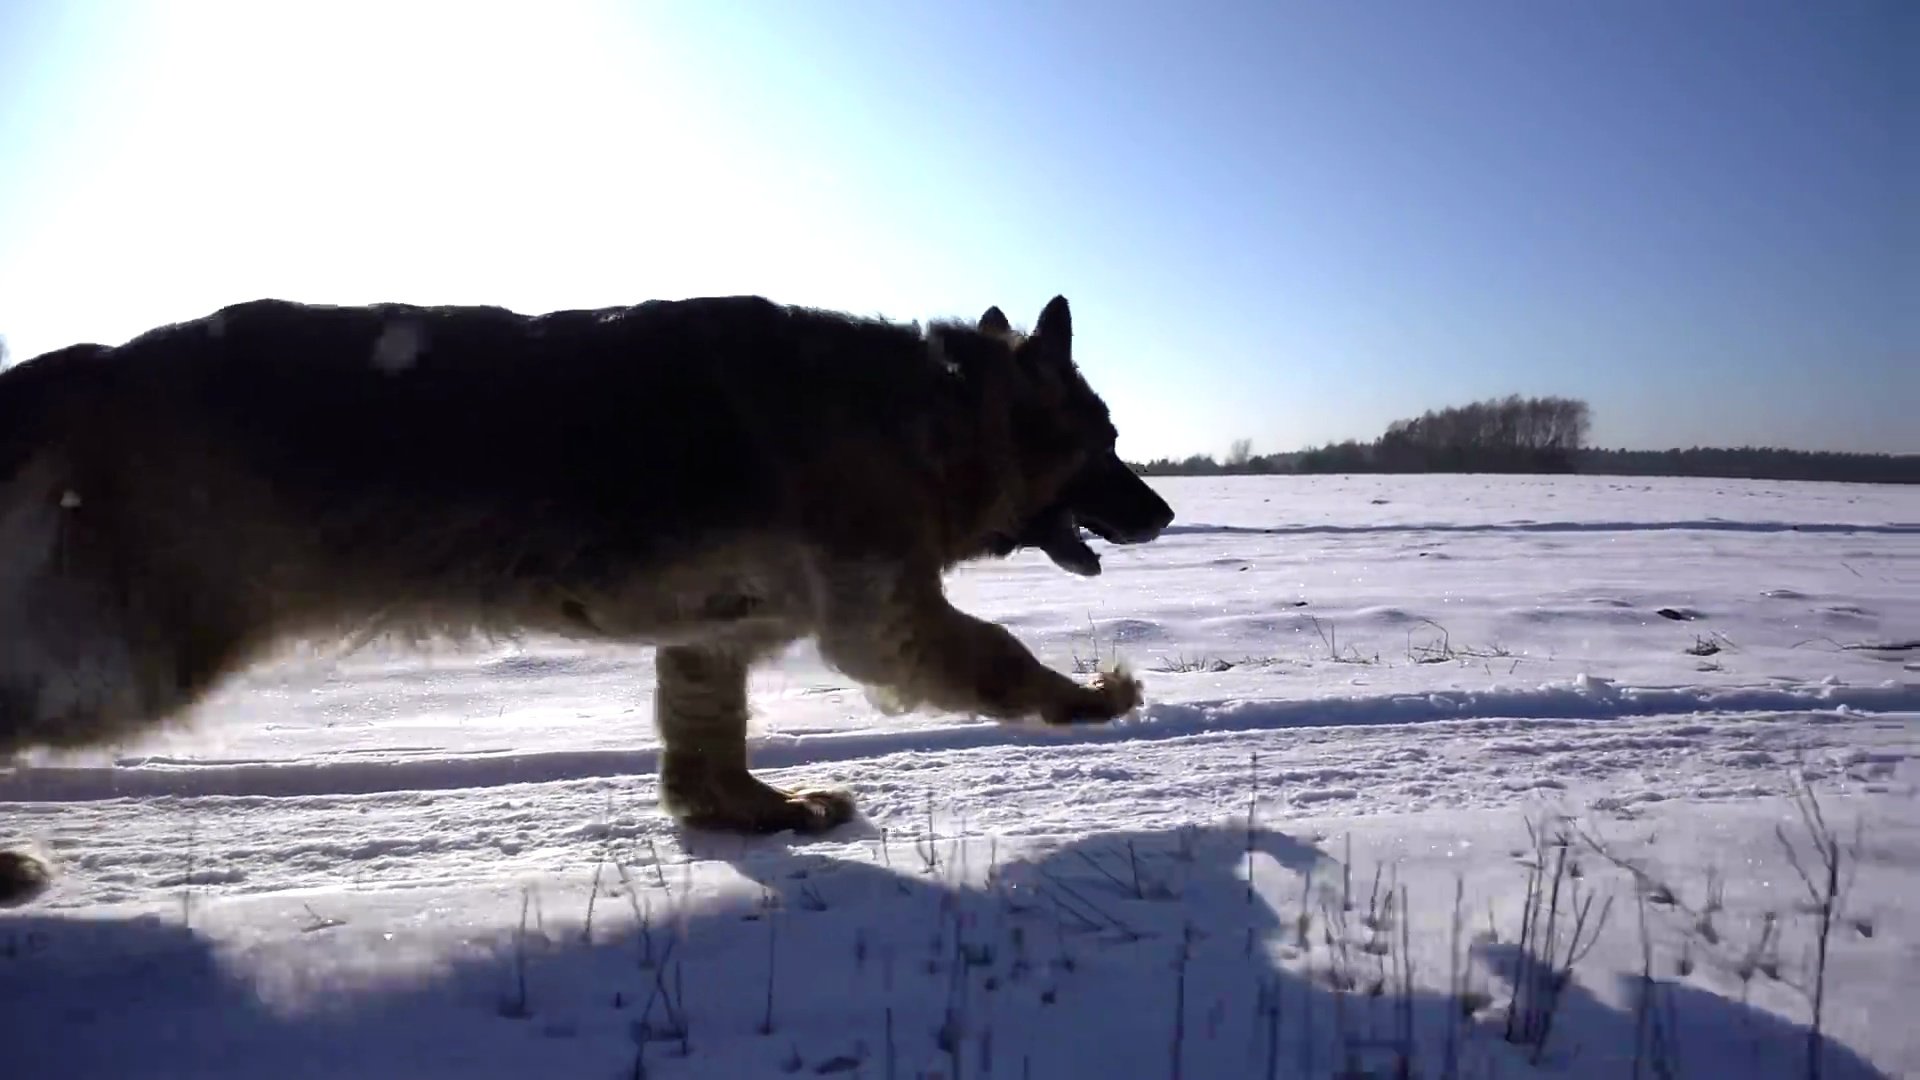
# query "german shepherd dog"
(715, 477)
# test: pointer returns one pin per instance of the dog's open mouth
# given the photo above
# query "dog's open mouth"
(1108, 501)
(1057, 532)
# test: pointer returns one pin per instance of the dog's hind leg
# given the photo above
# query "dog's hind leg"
(90, 653)
(700, 709)
(48, 692)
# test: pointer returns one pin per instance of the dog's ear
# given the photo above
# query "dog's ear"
(995, 322)
(1051, 345)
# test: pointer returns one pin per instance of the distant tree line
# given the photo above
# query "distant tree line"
(1756, 463)
(1534, 435)
(1512, 434)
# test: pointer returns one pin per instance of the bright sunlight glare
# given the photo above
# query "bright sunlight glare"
(562, 156)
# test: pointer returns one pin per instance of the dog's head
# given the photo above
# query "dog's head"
(1065, 442)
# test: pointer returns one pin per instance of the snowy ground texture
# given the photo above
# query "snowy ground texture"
(1509, 818)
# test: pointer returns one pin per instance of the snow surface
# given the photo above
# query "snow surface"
(450, 863)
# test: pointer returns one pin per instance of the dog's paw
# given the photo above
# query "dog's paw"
(887, 701)
(23, 877)
(1111, 695)
(741, 803)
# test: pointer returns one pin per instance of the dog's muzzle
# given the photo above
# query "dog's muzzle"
(1108, 500)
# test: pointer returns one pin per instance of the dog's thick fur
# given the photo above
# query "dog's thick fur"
(715, 477)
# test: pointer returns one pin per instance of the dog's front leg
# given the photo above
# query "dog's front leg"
(896, 631)
(700, 709)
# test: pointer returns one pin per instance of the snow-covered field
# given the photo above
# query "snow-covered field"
(451, 864)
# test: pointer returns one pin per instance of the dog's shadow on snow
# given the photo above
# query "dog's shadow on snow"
(1106, 956)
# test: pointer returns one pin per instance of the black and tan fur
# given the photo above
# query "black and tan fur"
(715, 477)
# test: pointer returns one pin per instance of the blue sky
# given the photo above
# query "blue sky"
(1292, 221)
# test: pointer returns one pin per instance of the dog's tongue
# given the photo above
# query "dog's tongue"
(1058, 535)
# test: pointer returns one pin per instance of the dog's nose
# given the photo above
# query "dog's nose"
(1162, 517)
(1156, 521)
